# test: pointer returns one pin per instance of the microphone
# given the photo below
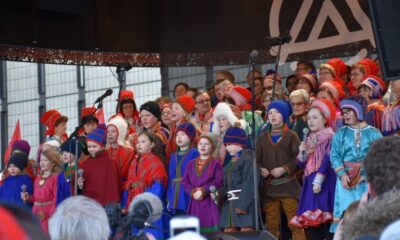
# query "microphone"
(106, 94)
(305, 135)
(213, 194)
(80, 172)
(23, 189)
(253, 54)
(284, 38)
(145, 209)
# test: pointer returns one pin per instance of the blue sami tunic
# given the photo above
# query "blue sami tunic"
(10, 190)
(346, 157)
(176, 196)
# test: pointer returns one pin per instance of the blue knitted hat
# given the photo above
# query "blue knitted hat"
(98, 135)
(356, 103)
(69, 146)
(189, 129)
(283, 107)
(238, 136)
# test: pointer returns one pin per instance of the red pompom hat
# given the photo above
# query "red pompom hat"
(186, 102)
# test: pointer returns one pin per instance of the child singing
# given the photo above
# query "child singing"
(201, 175)
(238, 211)
(318, 192)
(44, 196)
(11, 188)
(147, 174)
(177, 198)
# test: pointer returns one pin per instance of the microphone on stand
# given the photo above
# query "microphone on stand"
(106, 94)
(306, 131)
(284, 38)
(213, 194)
(23, 189)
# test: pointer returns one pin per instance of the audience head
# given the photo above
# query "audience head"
(382, 165)
(79, 217)
(18, 223)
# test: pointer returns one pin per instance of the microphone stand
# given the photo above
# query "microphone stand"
(278, 56)
(285, 38)
(75, 136)
(252, 62)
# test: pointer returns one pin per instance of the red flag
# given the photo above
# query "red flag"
(100, 115)
(16, 136)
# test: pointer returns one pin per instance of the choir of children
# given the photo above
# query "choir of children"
(198, 160)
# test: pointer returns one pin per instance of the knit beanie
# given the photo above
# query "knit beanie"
(18, 159)
(236, 136)
(356, 103)
(21, 145)
(98, 135)
(188, 129)
(122, 128)
(376, 85)
(283, 107)
(186, 102)
(70, 147)
(153, 108)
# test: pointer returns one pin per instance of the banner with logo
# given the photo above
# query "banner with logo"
(190, 33)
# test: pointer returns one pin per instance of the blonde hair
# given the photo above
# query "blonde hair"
(54, 157)
(300, 93)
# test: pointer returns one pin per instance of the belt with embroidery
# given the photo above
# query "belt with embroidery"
(41, 204)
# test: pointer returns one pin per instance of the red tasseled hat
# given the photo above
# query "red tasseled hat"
(126, 94)
(339, 67)
(370, 67)
(186, 102)
(86, 111)
(241, 96)
(49, 119)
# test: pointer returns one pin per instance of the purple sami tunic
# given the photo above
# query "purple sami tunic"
(210, 175)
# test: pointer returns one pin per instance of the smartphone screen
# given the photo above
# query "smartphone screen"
(177, 231)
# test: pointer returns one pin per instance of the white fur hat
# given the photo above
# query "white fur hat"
(122, 127)
(223, 109)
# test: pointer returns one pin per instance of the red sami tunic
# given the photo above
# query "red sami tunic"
(101, 179)
(122, 158)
